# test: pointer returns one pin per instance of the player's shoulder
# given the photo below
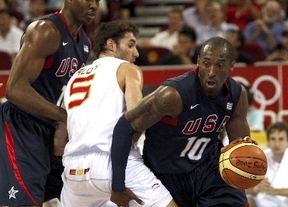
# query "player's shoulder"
(43, 26)
(129, 66)
(42, 34)
(43, 30)
(127, 70)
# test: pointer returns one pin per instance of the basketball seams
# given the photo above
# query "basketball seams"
(240, 146)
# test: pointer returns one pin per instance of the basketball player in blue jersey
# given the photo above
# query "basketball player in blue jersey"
(52, 50)
(182, 119)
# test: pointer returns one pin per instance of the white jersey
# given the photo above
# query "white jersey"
(269, 200)
(95, 88)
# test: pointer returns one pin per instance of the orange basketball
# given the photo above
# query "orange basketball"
(243, 165)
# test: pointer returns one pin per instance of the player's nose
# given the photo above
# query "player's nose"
(136, 53)
(94, 4)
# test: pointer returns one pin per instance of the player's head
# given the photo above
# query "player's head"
(118, 39)
(277, 135)
(215, 60)
(80, 11)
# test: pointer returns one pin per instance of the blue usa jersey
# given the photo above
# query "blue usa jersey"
(60, 66)
(180, 144)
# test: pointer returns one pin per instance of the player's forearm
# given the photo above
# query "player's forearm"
(32, 102)
(279, 191)
(121, 144)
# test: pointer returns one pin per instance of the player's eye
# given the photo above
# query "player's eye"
(221, 65)
(206, 64)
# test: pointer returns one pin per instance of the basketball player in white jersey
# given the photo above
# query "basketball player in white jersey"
(95, 98)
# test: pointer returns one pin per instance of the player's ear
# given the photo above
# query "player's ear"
(110, 44)
(232, 65)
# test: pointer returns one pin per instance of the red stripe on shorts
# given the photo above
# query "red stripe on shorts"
(13, 162)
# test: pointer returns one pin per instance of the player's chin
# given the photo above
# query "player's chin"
(88, 19)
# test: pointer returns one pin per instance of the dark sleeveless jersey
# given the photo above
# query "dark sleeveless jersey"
(178, 145)
(59, 67)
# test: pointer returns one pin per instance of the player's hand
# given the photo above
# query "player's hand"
(60, 138)
(238, 141)
(123, 198)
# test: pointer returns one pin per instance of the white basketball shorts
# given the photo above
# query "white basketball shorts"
(87, 181)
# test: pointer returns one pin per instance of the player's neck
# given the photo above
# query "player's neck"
(278, 158)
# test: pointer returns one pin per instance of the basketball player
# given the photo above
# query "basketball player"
(53, 49)
(95, 98)
(185, 115)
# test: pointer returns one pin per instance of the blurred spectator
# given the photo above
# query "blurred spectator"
(22, 6)
(38, 9)
(10, 34)
(273, 190)
(281, 51)
(196, 15)
(168, 37)
(284, 9)
(266, 31)
(241, 12)
(16, 15)
(56, 4)
(260, 2)
(216, 24)
(237, 39)
(185, 51)
(102, 11)
(255, 116)
(130, 6)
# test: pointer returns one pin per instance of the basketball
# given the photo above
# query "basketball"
(242, 165)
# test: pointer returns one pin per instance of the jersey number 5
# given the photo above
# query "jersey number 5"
(79, 90)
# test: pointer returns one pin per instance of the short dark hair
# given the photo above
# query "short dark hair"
(115, 30)
(176, 10)
(240, 35)
(277, 126)
(220, 42)
(189, 32)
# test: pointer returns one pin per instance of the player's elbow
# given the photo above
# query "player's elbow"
(12, 92)
(9, 92)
